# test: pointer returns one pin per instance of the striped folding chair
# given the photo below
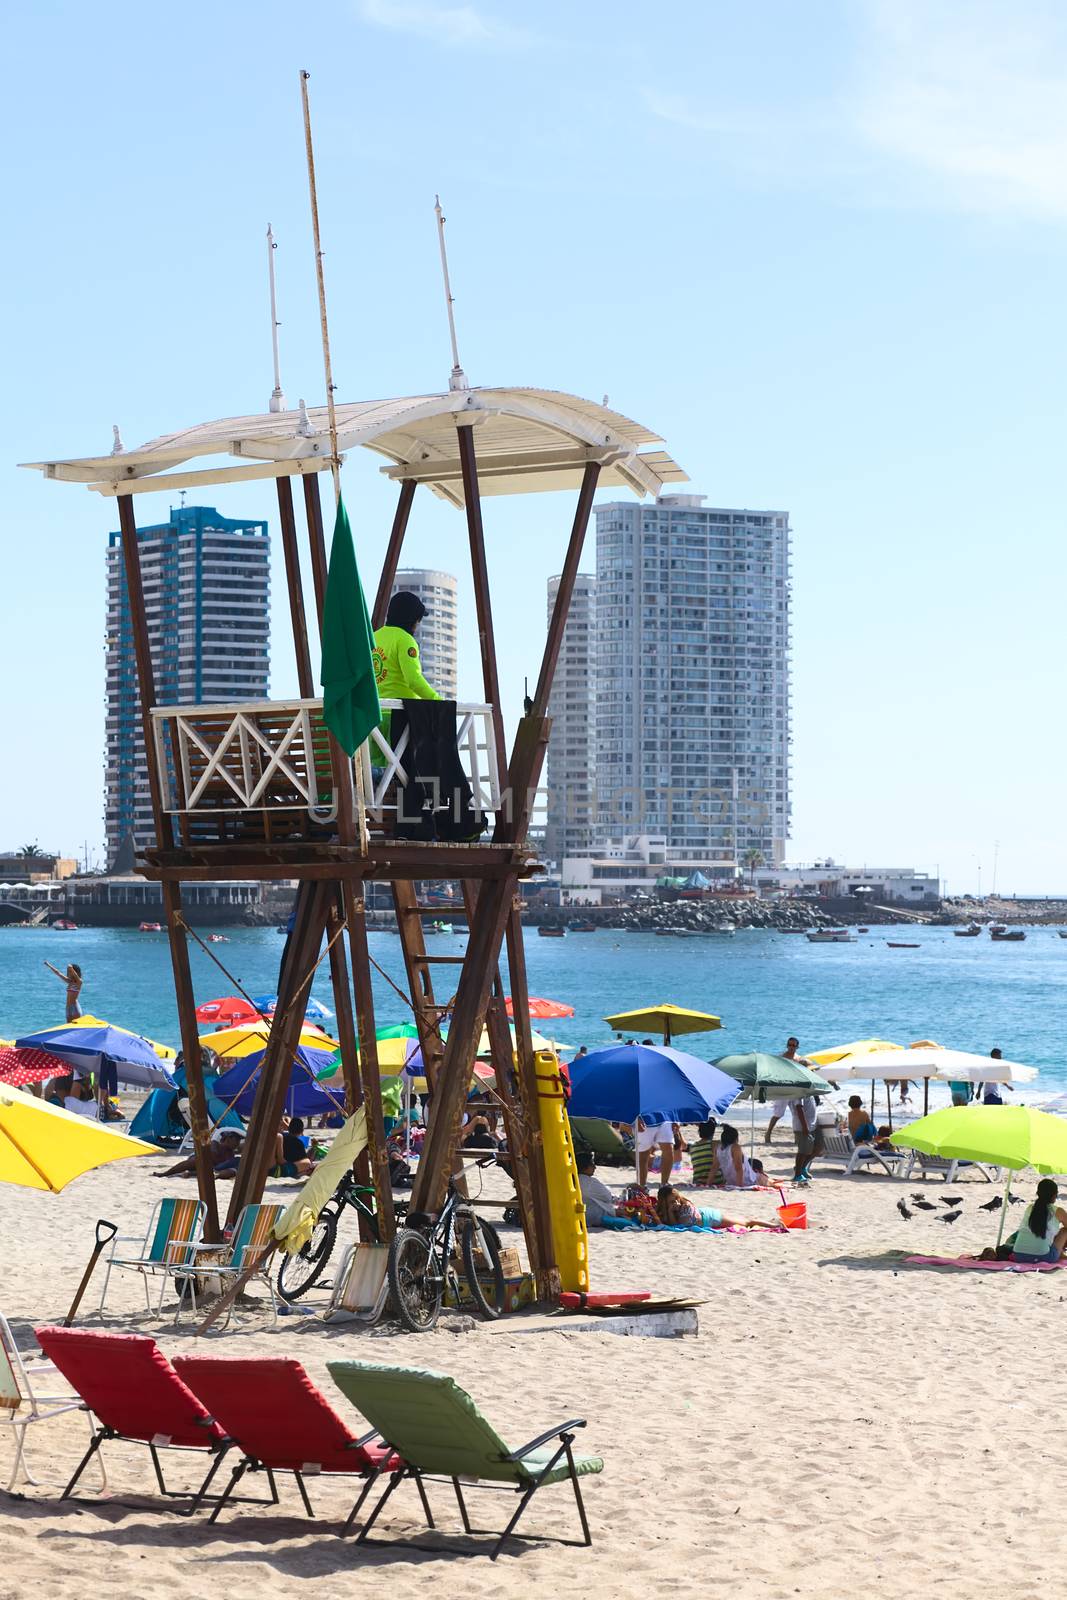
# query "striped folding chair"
(248, 1253)
(28, 1394)
(170, 1243)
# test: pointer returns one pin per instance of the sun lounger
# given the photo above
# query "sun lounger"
(948, 1168)
(248, 1251)
(594, 1136)
(839, 1150)
(130, 1387)
(27, 1395)
(281, 1423)
(169, 1242)
(440, 1435)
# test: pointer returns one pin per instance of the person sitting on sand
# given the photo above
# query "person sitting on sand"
(675, 1211)
(478, 1135)
(735, 1169)
(1043, 1233)
(860, 1126)
(702, 1155)
(223, 1153)
(80, 1100)
(597, 1198)
(291, 1151)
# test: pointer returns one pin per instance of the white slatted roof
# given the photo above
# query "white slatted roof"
(525, 440)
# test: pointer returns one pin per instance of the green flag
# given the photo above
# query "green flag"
(350, 706)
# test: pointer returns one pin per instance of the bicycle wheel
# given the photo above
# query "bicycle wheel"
(414, 1281)
(479, 1235)
(297, 1273)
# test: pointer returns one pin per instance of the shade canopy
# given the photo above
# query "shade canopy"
(657, 1083)
(313, 1008)
(543, 1010)
(525, 440)
(85, 1048)
(943, 1065)
(228, 1010)
(304, 1097)
(1009, 1136)
(248, 1037)
(163, 1051)
(666, 1019)
(45, 1147)
(857, 1047)
(29, 1066)
(761, 1074)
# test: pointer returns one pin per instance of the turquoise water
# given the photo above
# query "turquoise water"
(967, 993)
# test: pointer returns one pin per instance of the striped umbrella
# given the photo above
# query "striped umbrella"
(30, 1066)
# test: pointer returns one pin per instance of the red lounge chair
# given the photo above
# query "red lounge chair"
(128, 1384)
(273, 1412)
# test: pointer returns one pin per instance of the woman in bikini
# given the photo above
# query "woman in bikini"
(73, 980)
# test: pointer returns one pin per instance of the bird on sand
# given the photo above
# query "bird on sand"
(950, 1216)
(951, 1200)
(924, 1205)
(905, 1213)
(992, 1205)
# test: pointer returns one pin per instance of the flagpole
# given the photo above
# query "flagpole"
(331, 410)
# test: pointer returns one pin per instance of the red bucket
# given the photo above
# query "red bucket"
(794, 1216)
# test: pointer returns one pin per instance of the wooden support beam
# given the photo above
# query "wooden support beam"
(392, 552)
(291, 552)
(346, 1037)
(420, 983)
(179, 953)
(355, 916)
(317, 542)
(482, 599)
(565, 591)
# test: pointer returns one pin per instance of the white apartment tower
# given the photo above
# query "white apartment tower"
(207, 605)
(572, 742)
(692, 712)
(437, 631)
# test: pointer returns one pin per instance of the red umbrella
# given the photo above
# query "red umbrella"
(230, 1011)
(543, 1010)
(30, 1066)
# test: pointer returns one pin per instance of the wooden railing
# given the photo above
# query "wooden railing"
(271, 758)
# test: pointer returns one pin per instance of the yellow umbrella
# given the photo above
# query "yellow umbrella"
(163, 1051)
(666, 1019)
(858, 1047)
(44, 1147)
(247, 1037)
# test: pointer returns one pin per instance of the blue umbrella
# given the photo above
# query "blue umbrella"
(655, 1082)
(84, 1048)
(314, 1008)
(305, 1096)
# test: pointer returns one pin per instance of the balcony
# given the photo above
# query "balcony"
(262, 770)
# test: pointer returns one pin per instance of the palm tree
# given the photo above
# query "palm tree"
(753, 860)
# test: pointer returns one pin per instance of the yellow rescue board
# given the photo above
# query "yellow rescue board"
(561, 1171)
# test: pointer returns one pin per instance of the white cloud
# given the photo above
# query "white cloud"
(971, 94)
(441, 24)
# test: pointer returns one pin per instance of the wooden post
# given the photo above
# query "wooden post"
(179, 950)
(369, 1071)
(565, 591)
(346, 1035)
(392, 552)
(316, 539)
(483, 602)
(291, 552)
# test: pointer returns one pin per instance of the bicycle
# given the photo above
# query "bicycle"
(420, 1264)
(300, 1272)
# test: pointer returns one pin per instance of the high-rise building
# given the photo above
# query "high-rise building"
(693, 677)
(572, 741)
(437, 631)
(207, 589)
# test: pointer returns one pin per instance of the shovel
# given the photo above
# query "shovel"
(105, 1232)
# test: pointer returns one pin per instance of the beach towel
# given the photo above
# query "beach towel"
(620, 1225)
(965, 1263)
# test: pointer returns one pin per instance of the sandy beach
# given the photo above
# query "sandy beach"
(840, 1420)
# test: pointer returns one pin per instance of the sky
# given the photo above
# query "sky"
(820, 249)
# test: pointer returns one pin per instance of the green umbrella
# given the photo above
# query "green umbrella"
(762, 1074)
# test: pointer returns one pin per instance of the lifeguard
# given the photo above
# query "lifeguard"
(397, 670)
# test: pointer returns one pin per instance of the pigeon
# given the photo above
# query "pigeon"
(951, 1200)
(918, 1197)
(950, 1216)
(1016, 1200)
(905, 1213)
(924, 1205)
(992, 1205)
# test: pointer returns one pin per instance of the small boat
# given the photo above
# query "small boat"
(998, 927)
(590, 927)
(149, 927)
(1008, 936)
(552, 933)
(66, 925)
(217, 938)
(971, 931)
(438, 927)
(1062, 934)
(863, 930)
(891, 945)
(830, 936)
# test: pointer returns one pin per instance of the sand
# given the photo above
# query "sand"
(841, 1424)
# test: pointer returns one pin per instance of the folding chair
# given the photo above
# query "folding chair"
(281, 1422)
(440, 1435)
(249, 1248)
(22, 1402)
(128, 1384)
(170, 1240)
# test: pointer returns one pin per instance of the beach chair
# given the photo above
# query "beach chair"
(247, 1251)
(839, 1150)
(170, 1240)
(948, 1167)
(281, 1422)
(361, 1286)
(594, 1136)
(24, 1399)
(440, 1436)
(134, 1393)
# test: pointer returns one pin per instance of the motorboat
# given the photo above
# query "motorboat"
(899, 945)
(971, 931)
(438, 927)
(149, 927)
(1007, 935)
(998, 927)
(583, 927)
(552, 933)
(65, 924)
(830, 936)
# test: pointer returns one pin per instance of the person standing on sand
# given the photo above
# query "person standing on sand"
(73, 980)
(778, 1107)
(991, 1092)
(808, 1137)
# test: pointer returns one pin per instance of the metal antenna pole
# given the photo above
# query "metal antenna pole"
(277, 399)
(335, 463)
(458, 379)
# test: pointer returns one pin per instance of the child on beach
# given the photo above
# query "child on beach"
(73, 980)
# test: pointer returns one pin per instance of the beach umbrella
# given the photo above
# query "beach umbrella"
(30, 1066)
(656, 1082)
(247, 1037)
(313, 1009)
(234, 1008)
(45, 1147)
(86, 1047)
(666, 1019)
(543, 1010)
(842, 1052)
(1007, 1136)
(305, 1096)
(163, 1051)
(761, 1074)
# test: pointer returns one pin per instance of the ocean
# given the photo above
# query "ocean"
(969, 994)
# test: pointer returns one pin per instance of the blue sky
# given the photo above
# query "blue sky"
(820, 248)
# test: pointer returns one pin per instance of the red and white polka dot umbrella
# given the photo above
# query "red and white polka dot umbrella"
(18, 1067)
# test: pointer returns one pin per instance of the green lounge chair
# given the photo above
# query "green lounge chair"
(439, 1433)
(594, 1136)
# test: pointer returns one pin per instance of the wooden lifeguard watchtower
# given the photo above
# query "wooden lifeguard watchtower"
(262, 791)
